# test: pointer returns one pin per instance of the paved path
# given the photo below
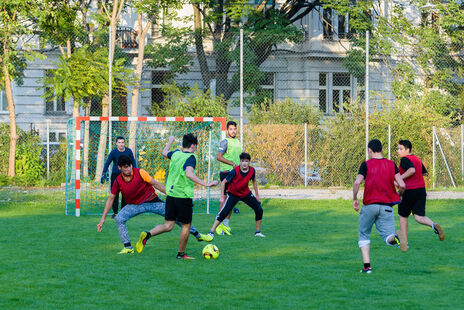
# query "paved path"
(316, 194)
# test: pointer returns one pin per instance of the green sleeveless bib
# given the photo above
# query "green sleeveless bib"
(232, 153)
(178, 185)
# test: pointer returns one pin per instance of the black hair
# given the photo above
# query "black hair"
(120, 138)
(245, 156)
(124, 160)
(406, 143)
(188, 140)
(231, 123)
(375, 145)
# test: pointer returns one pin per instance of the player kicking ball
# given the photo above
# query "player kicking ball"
(238, 179)
(414, 197)
(138, 190)
(379, 198)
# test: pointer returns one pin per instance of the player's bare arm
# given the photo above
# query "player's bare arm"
(401, 184)
(191, 175)
(108, 205)
(222, 198)
(158, 186)
(356, 186)
(408, 173)
(168, 146)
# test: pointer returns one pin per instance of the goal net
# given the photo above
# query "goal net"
(91, 139)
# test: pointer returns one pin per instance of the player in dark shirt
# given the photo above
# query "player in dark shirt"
(413, 201)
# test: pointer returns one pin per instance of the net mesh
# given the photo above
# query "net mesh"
(146, 139)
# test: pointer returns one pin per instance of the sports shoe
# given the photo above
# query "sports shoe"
(206, 238)
(366, 270)
(226, 229)
(183, 256)
(126, 251)
(401, 237)
(439, 231)
(219, 230)
(259, 234)
(114, 215)
(142, 241)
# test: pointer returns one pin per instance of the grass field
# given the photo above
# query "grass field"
(308, 260)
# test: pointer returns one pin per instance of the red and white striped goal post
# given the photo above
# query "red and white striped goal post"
(79, 119)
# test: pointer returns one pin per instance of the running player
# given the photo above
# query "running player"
(136, 186)
(238, 179)
(414, 197)
(179, 193)
(228, 154)
(379, 198)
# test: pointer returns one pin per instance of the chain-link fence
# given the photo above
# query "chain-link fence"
(264, 73)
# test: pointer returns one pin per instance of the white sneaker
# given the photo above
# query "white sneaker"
(258, 234)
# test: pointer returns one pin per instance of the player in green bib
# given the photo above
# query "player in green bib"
(179, 193)
(229, 155)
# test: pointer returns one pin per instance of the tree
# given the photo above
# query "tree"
(265, 26)
(14, 25)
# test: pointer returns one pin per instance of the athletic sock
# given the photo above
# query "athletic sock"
(197, 234)
(225, 222)
(367, 265)
(148, 235)
(128, 245)
(211, 232)
(257, 232)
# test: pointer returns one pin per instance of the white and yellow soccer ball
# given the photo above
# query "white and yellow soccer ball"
(210, 251)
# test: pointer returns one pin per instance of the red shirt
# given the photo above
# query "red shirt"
(137, 190)
(417, 179)
(379, 184)
(238, 186)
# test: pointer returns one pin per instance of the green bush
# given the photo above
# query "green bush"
(29, 165)
(58, 167)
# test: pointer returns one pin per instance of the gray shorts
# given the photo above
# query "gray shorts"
(382, 217)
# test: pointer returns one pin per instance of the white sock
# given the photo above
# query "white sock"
(225, 222)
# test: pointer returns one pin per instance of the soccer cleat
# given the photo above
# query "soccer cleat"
(226, 229)
(259, 234)
(206, 238)
(183, 256)
(366, 270)
(219, 230)
(142, 241)
(126, 251)
(439, 231)
(403, 245)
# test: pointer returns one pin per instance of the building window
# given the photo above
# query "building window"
(3, 101)
(327, 24)
(335, 90)
(158, 78)
(336, 26)
(53, 104)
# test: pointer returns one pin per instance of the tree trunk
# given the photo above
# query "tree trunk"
(85, 168)
(11, 110)
(138, 75)
(102, 142)
(205, 74)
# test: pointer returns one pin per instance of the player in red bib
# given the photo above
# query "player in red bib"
(414, 197)
(379, 198)
(238, 190)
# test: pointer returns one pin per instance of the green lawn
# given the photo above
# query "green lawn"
(308, 260)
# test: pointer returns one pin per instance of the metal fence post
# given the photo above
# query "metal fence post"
(433, 156)
(367, 93)
(48, 149)
(209, 172)
(389, 141)
(306, 154)
(462, 152)
(241, 86)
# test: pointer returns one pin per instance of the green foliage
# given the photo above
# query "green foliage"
(58, 166)
(287, 111)
(29, 165)
(194, 103)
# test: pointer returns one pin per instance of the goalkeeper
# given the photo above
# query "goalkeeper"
(136, 186)
(113, 157)
(238, 179)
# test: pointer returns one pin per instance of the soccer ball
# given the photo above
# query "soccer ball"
(210, 251)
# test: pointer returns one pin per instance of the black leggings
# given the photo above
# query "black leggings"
(231, 201)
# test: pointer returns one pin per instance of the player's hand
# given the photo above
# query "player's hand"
(171, 138)
(356, 205)
(257, 198)
(214, 183)
(100, 225)
(222, 199)
(103, 178)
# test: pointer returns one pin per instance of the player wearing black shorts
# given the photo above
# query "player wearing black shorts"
(414, 197)
(238, 179)
(179, 192)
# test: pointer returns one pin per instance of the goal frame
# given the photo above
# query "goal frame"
(77, 142)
